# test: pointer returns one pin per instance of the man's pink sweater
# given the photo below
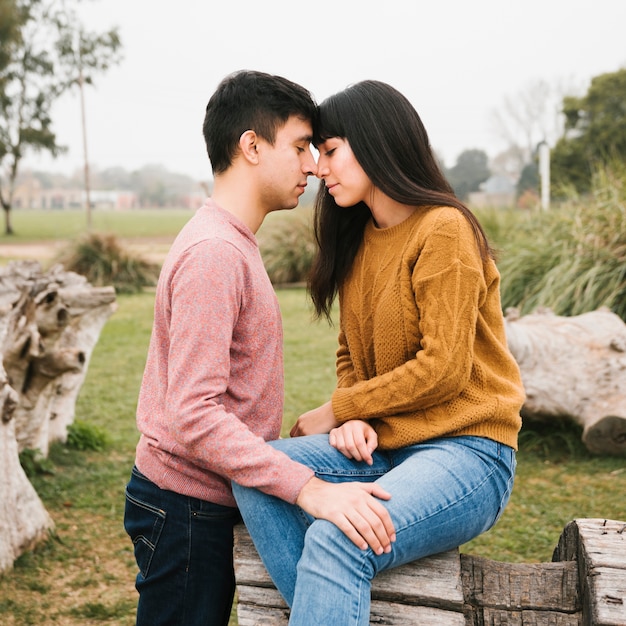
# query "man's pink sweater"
(212, 390)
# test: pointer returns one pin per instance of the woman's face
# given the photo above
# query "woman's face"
(344, 178)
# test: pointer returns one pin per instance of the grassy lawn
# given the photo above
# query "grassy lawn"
(85, 573)
(50, 225)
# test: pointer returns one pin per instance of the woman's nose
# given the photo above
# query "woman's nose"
(322, 168)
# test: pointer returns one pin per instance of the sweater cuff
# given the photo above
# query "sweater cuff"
(289, 490)
(343, 407)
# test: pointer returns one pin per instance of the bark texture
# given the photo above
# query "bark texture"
(585, 584)
(574, 367)
(49, 325)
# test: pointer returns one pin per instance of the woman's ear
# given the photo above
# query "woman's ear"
(248, 146)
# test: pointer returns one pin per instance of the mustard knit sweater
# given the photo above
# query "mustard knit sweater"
(422, 347)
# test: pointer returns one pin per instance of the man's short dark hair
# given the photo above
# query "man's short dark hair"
(250, 100)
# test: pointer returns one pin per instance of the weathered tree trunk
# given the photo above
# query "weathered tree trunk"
(24, 520)
(49, 325)
(575, 367)
(48, 349)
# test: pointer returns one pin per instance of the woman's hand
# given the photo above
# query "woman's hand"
(355, 509)
(355, 439)
(315, 422)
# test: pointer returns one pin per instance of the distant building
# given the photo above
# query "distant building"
(29, 194)
(496, 191)
(192, 200)
(116, 200)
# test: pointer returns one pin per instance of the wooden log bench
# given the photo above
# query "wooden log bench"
(584, 585)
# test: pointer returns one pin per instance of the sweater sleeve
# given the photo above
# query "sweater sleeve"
(446, 286)
(345, 369)
(207, 292)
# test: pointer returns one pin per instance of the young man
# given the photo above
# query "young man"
(212, 391)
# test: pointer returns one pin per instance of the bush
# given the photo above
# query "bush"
(33, 463)
(103, 261)
(83, 436)
(571, 259)
(288, 247)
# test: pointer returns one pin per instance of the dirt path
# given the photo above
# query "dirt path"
(39, 251)
(152, 249)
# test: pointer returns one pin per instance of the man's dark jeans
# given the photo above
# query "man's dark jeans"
(184, 551)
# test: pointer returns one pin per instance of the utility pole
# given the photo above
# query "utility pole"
(544, 174)
(84, 123)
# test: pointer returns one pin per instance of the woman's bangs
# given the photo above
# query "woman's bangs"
(329, 124)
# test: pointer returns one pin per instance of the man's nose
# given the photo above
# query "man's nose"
(310, 167)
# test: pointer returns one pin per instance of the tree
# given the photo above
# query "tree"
(47, 53)
(528, 179)
(470, 171)
(529, 117)
(9, 30)
(595, 131)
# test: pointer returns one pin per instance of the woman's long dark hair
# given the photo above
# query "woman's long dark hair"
(390, 143)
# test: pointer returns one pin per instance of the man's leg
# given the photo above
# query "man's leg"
(183, 548)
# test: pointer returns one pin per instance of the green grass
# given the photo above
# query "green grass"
(41, 225)
(85, 573)
(309, 356)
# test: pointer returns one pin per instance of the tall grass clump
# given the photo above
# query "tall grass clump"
(571, 259)
(103, 261)
(287, 246)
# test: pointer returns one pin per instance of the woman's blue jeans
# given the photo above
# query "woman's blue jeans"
(184, 550)
(444, 493)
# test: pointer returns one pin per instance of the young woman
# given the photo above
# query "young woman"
(428, 396)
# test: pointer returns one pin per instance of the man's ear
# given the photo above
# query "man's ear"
(248, 146)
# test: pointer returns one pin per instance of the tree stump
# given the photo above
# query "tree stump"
(24, 520)
(574, 367)
(584, 585)
(49, 345)
(49, 325)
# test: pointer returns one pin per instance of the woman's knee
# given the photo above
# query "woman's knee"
(328, 547)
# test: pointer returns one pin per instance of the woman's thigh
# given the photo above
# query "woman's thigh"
(444, 493)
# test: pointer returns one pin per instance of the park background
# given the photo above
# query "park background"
(84, 574)
(491, 81)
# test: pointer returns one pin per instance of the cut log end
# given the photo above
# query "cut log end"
(607, 436)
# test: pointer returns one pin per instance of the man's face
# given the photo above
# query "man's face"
(286, 165)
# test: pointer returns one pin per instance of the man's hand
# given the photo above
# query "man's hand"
(317, 421)
(354, 508)
(355, 439)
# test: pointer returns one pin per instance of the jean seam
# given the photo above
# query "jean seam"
(466, 495)
(362, 582)
(188, 563)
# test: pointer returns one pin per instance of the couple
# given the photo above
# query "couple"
(413, 454)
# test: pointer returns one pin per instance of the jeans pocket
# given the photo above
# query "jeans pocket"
(144, 523)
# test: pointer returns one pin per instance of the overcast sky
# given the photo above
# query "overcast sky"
(456, 60)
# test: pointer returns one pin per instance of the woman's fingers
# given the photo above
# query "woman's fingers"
(355, 439)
